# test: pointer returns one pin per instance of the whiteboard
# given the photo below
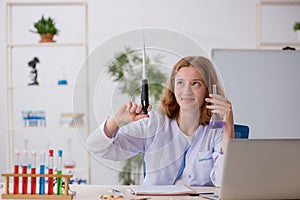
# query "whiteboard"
(264, 88)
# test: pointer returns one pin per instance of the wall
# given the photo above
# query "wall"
(213, 24)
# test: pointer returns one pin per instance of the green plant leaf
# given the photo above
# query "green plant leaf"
(297, 26)
(45, 26)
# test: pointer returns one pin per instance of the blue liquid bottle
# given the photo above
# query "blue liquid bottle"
(216, 120)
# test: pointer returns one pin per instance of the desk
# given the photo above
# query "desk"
(92, 192)
(89, 192)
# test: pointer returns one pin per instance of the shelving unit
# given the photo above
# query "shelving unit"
(47, 95)
(263, 4)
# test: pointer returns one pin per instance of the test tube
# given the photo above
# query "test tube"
(33, 171)
(215, 120)
(24, 171)
(59, 171)
(16, 171)
(42, 171)
(50, 171)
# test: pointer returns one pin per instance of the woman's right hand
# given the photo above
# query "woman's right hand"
(127, 113)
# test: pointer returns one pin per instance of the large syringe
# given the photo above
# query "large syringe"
(145, 92)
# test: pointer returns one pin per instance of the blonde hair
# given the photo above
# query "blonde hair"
(168, 103)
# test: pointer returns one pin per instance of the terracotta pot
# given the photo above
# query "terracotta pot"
(46, 38)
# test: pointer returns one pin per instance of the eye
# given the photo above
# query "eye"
(196, 83)
(179, 82)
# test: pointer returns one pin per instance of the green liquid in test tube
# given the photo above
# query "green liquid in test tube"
(59, 171)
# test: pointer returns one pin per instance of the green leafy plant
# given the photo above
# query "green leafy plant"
(126, 69)
(45, 26)
(297, 26)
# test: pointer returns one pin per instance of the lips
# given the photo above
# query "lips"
(187, 99)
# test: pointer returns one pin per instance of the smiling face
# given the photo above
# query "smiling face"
(189, 88)
(191, 70)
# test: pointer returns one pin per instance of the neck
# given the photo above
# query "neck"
(188, 122)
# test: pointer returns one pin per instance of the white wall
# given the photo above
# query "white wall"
(213, 24)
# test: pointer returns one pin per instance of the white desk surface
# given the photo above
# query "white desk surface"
(93, 192)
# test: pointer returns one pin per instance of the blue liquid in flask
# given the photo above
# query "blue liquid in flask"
(215, 120)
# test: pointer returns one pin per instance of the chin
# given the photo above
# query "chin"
(189, 106)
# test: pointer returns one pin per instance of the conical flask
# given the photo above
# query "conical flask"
(216, 120)
(63, 77)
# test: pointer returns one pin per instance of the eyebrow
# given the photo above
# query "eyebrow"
(196, 79)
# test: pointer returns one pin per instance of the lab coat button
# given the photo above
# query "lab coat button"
(189, 176)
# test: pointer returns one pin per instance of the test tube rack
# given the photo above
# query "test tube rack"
(65, 195)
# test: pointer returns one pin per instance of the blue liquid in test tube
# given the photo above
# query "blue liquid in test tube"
(42, 171)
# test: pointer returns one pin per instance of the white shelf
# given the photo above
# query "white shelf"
(37, 92)
(47, 128)
(46, 87)
(54, 44)
(46, 3)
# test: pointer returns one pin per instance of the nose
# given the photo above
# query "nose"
(188, 89)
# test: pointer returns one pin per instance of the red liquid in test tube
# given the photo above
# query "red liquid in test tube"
(16, 171)
(50, 171)
(33, 171)
(24, 171)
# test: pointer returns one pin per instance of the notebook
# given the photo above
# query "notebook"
(261, 169)
(160, 190)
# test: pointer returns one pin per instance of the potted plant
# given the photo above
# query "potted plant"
(46, 28)
(124, 71)
(297, 29)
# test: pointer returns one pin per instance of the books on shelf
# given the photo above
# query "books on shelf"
(71, 119)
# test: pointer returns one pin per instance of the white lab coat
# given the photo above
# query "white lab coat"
(163, 145)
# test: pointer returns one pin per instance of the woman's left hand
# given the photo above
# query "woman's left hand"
(222, 106)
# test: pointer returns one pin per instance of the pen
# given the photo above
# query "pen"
(201, 193)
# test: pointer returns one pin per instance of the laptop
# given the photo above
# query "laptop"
(261, 169)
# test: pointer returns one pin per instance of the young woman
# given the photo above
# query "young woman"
(178, 145)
